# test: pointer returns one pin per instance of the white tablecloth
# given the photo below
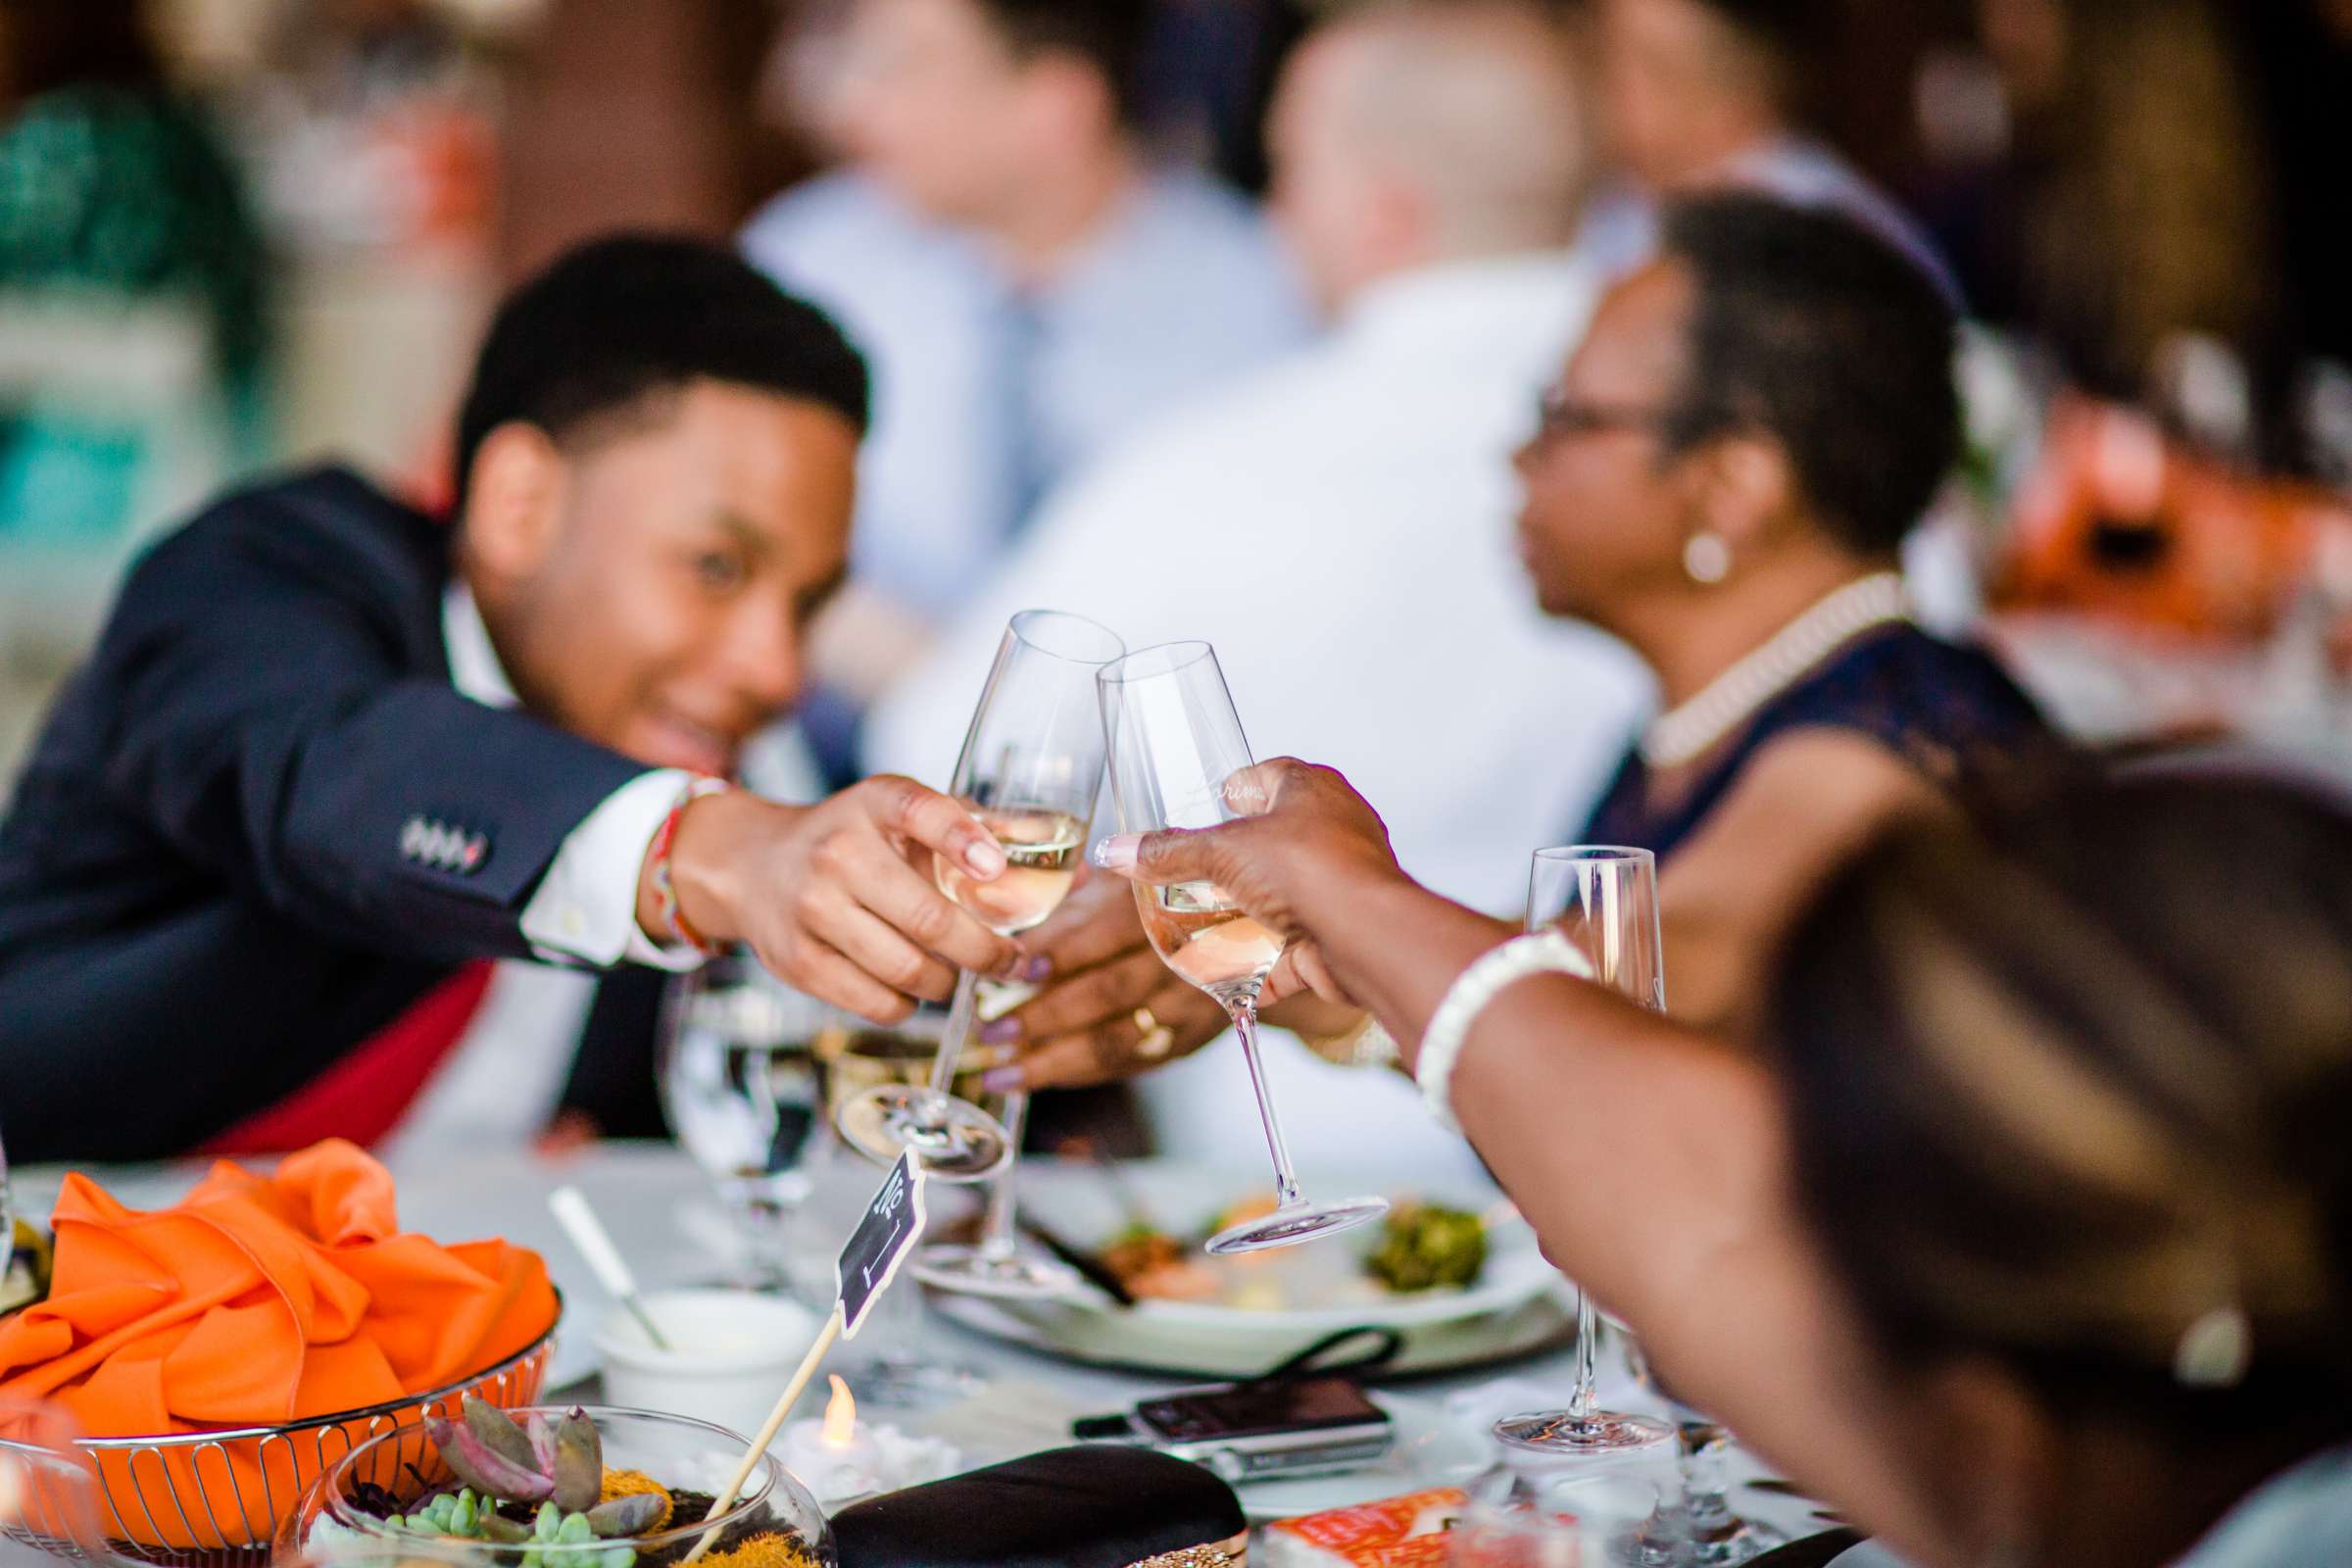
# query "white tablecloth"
(659, 1210)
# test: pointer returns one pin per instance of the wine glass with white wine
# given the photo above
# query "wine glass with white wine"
(1175, 741)
(1031, 767)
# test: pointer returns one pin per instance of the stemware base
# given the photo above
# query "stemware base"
(1294, 1223)
(908, 1383)
(1736, 1541)
(955, 1140)
(1561, 1434)
(976, 1271)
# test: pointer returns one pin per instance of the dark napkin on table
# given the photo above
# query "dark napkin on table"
(1097, 1506)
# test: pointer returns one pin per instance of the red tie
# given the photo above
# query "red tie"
(364, 1095)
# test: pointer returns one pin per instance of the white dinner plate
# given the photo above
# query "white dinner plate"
(1518, 1305)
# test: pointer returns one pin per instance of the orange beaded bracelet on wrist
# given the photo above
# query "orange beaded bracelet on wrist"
(666, 892)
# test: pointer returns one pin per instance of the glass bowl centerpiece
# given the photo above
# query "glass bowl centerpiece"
(549, 1488)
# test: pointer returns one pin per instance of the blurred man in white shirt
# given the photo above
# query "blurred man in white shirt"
(1026, 286)
(1427, 165)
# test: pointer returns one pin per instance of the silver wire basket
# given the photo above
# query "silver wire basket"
(215, 1498)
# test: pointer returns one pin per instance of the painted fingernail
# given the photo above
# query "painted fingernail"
(1118, 852)
(984, 858)
(1037, 967)
(1001, 1080)
(1000, 1031)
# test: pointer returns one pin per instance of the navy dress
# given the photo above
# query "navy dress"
(1946, 709)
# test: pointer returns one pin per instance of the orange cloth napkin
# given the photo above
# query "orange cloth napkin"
(257, 1301)
(260, 1300)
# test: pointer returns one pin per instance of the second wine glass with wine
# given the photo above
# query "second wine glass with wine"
(1175, 741)
(1031, 767)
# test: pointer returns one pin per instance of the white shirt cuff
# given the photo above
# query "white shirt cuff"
(585, 911)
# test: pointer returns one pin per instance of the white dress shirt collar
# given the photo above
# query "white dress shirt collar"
(473, 665)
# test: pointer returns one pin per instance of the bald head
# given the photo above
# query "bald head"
(1427, 130)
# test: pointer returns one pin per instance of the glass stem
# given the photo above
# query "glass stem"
(1583, 1398)
(960, 1017)
(997, 1241)
(1244, 1024)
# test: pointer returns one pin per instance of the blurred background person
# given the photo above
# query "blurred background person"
(134, 283)
(1698, 93)
(1027, 283)
(1338, 524)
(1697, 489)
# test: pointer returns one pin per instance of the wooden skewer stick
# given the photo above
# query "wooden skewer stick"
(768, 1433)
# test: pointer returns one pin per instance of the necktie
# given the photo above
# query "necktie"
(363, 1095)
(1028, 464)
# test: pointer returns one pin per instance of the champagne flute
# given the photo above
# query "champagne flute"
(1605, 900)
(1175, 739)
(997, 1265)
(738, 1079)
(1031, 767)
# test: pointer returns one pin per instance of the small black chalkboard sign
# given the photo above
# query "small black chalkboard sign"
(892, 1224)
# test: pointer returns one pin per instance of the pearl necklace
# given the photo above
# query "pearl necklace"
(1692, 728)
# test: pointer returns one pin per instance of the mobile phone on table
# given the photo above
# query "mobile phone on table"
(1250, 1431)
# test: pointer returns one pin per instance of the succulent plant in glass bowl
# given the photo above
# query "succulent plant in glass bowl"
(548, 1487)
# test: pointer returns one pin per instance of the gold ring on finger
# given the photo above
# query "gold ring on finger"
(1155, 1039)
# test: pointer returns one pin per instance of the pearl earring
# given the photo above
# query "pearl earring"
(1706, 558)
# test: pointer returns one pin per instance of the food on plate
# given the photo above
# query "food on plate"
(1156, 1266)
(1424, 1246)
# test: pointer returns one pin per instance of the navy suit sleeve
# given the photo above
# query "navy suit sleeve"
(270, 728)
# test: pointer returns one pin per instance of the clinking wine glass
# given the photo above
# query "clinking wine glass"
(1605, 900)
(1031, 767)
(997, 1265)
(1175, 741)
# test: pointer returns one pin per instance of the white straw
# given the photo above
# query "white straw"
(572, 1211)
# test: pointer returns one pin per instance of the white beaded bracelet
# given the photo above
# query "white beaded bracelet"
(1543, 952)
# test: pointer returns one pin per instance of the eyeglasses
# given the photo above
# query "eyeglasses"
(1559, 415)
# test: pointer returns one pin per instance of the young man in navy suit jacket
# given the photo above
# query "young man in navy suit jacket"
(329, 755)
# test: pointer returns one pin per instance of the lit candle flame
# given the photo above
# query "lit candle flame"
(841, 1415)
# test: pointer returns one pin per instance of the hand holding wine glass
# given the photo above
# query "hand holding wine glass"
(1297, 829)
(1179, 759)
(1030, 770)
(837, 898)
